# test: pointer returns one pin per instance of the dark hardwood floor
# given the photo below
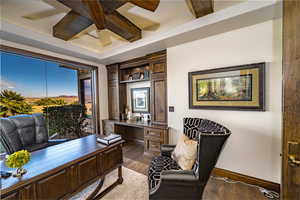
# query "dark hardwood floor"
(217, 188)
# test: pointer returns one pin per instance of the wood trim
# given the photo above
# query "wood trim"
(246, 179)
(290, 174)
(134, 63)
(44, 57)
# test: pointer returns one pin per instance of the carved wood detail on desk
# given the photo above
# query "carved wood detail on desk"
(61, 170)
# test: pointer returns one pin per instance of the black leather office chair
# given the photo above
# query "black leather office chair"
(168, 181)
(27, 132)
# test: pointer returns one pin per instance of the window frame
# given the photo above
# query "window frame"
(77, 65)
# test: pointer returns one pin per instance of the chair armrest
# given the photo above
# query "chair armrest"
(178, 176)
(57, 141)
(184, 181)
(167, 149)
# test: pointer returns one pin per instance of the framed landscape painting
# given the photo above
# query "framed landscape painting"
(231, 88)
(140, 100)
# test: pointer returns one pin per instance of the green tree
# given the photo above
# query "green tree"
(12, 103)
(49, 101)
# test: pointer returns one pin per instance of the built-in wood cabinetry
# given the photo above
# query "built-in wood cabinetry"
(116, 75)
(116, 92)
(158, 66)
(154, 133)
(154, 138)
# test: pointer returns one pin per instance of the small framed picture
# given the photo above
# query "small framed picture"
(140, 98)
(231, 88)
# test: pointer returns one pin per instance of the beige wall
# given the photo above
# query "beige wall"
(255, 145)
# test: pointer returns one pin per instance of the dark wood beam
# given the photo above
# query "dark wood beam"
(110, 6)
(122, 26)
(96, 12)
(71, 25)
(146, 4)
(200, 8)
(77, 6)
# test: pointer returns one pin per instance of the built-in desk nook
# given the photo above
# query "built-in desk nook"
(146, 74)
(151, 135)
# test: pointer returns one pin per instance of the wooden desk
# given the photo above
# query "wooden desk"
(59, 171)
(152, 135)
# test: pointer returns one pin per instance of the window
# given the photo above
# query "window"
(30, 85)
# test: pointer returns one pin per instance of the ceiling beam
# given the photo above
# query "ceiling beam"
(102, 13)
(120, 25)
(146, 4)
(96, 12)
(71, 25)
(77, 6)
(200, 8)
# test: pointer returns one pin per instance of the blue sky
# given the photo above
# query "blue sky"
(36, 78)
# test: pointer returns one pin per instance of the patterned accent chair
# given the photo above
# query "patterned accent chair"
(165, 177)
(25, 132)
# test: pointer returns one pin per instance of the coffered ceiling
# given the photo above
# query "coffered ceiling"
(41, 15)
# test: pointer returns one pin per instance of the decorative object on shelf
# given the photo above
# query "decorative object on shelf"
(140, 98)
(142, 76)
(18, 160)
(128, 113)
(146, 74)
(231, 88)
(130, 77)
(136, 75)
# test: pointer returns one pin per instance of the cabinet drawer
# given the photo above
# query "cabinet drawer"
(153, 133)
(154, 146)
(53, 187)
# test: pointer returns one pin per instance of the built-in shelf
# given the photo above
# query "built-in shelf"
(133, 81)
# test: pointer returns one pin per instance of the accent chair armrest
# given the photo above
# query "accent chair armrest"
(167, 149)
(184, 181)
(178, 176)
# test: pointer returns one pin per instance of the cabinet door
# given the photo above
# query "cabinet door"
(53, 187)
(159, 99)
(111, 158)
(87, 170)
(113, 100)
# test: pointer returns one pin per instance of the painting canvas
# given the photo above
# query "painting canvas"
(140, 100)
(235, 88)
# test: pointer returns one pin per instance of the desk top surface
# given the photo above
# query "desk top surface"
(138, 124)
(52, 159)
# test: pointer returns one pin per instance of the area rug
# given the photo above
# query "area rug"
(134, 187)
